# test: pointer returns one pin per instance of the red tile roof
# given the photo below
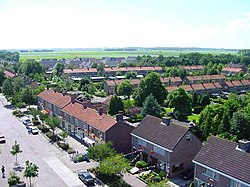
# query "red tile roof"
(245, 82)
(205, 77)
(193, 67)
(217, 85)
(187, 87)
(55, 98)
(171, 88)
(237, 83)
(82, 70)
(9, 74)
(90, 116)
(198, 87)
(209, 85)
(156, 68)
(229, 84)
(235, 70)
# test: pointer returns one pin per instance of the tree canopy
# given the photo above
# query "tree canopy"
(115, 105)
(31, 170)
(180, 100)
(151, 106)
(151, 84)
(125, 88)
(100, 152)
(31, 67)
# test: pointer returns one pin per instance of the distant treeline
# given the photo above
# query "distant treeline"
(191, 59)
(120, 49)
(9, 56)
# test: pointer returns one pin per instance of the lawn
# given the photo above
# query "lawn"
(102, 53)
(195, 117)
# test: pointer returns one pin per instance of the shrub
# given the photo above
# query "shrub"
(71, 150)
(141, 164)
(17, 113)
(45, 129)
(52, 137)
(63, 145)
(20, 105)
(162, 174)
(80, 158)
(13, 179)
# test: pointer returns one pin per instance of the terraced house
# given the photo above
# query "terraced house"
(221, 163)
(85, 123)
(169, 144)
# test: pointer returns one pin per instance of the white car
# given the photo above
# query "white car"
(33, 130)
(26, 120)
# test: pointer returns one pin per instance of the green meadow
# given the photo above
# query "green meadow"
(100, 54)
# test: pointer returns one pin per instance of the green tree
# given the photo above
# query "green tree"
(2, 76)
(59, 69)
(125, 88)
(101, 151)
(31, 67)
(18, 83)
(27, 96)
(64, 134)
(180, 100)
(150, 106)
(115, 105)
(15, 149)
(163, 183)
(240, 124)
(8, 88)
(31, 171)
(131, 75)
(84, 83)
(151, 84)
(113, 165)
(53, 122)
(225, 122)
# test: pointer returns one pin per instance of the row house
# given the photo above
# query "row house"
(85, 123)
(222, 163)
(166, 143)
(9, 73)
(113, 61)
(140, 70)
(110, 85)
(95, 127)
(193, 68)
(232, 69)
(83, 72)
(234, 86)
(49, 63)
(204, 79)
(213, 88)
(53, 101)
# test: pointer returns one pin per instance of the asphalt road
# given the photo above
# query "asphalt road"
(53, 171)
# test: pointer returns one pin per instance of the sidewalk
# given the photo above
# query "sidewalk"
(133, 181)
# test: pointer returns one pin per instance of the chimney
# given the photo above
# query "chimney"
(73, 97)
(64, 92)
(47, 87)
(244, 145)
(86, 104)
(55, 89)
(100, 111)
(166, 121)
(119, 116)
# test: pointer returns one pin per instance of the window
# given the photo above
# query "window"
(141, 142)
(212, 174)
(237, 184)
(188, 137)
(159, 150)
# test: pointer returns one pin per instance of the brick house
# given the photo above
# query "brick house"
(232, 69)
(123, 70)
(167, 143)
(221, 163)
(193, 68)
(204, 79)
(96, 127)
(83, 72)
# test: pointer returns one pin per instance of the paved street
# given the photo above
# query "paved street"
(55, 167)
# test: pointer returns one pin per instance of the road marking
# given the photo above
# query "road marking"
(63, 172)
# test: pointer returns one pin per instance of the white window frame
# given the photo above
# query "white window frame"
(214, 175)
(141, 142)
(159, 150)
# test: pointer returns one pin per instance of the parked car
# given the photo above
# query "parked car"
(2, 139)
(189, 174)
(26, 120)
(33, 130)
(86, 178)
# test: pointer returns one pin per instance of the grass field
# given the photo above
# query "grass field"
(100, 54)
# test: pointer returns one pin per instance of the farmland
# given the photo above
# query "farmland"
(101, 53)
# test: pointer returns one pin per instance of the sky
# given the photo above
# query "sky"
(27, 24)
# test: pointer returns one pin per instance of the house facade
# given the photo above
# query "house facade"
(83, 72)
(221, 163)
(166, 143)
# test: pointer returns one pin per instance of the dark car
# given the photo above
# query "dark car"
(188, 175)
(2, 139)
(86, 178)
